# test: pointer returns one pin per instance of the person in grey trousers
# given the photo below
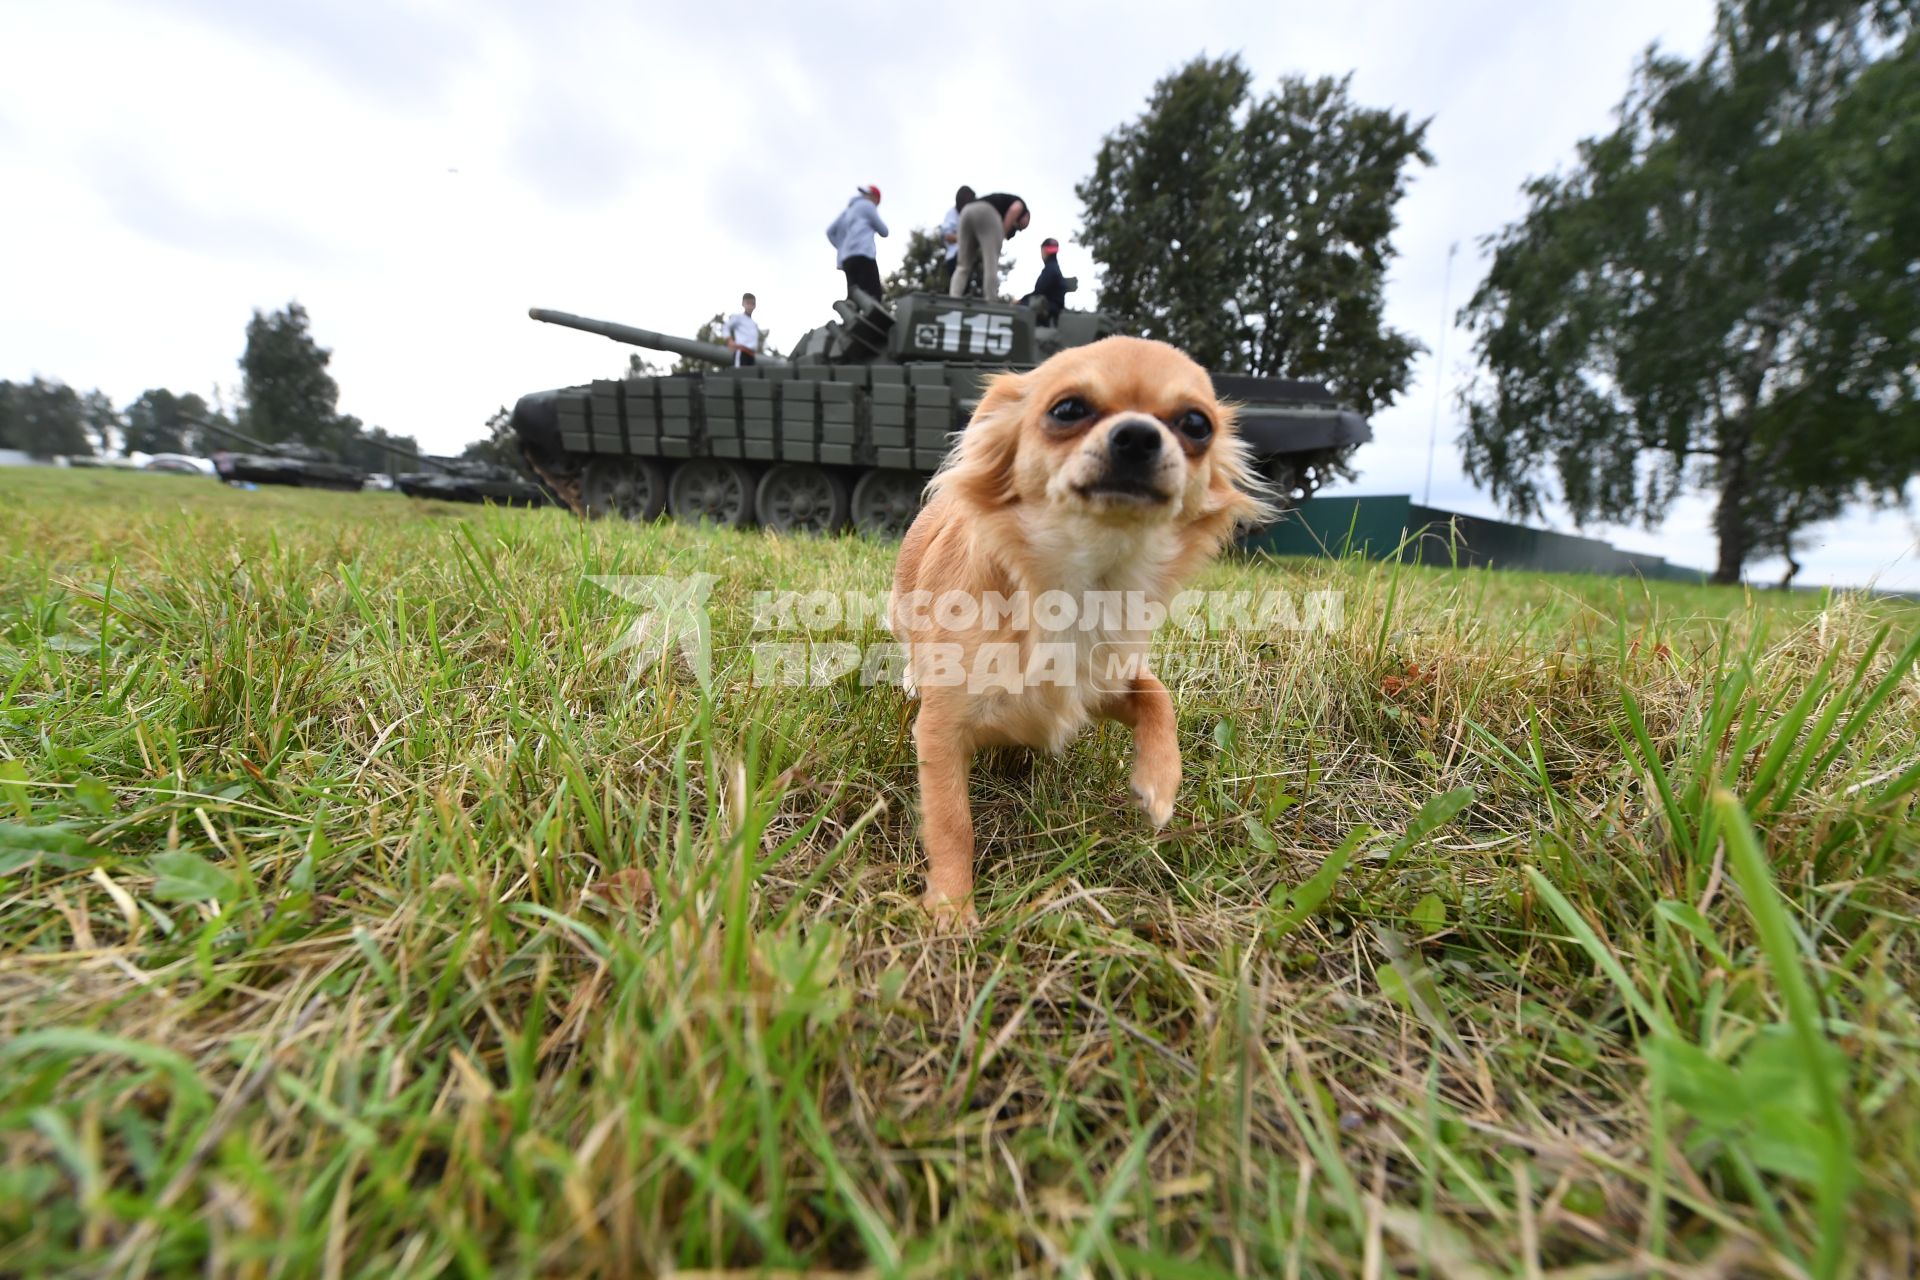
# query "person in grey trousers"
(985, 225)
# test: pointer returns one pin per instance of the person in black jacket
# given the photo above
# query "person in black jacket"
(1049, 296)
(985, 225)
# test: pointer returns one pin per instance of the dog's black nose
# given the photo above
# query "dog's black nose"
(1134, 444)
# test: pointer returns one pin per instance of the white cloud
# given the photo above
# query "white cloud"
(419, 174)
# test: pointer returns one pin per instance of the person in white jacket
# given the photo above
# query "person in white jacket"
(851, 235)
(950, 234)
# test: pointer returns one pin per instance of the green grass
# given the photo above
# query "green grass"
(362, 914)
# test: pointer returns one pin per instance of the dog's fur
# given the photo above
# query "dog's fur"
(1030, 503)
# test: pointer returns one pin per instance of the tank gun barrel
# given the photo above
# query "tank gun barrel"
(691, 348)
(281, 451)
(221, 429)
(409, 454)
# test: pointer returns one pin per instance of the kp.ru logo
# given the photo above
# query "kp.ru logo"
(674, 614)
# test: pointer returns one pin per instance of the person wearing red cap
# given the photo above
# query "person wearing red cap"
(1049, 296)
(985, 225)
(851, 235)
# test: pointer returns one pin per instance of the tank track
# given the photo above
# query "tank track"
(1290, 478)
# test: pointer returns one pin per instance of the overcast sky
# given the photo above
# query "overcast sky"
(418, 175)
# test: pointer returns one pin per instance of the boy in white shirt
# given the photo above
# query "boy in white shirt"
(743, 335)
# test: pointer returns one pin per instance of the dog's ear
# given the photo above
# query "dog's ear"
(1236, 493)
(979, 470)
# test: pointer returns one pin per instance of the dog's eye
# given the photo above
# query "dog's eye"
(1194, 425)
(1071, 410)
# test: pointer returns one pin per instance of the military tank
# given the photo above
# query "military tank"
(849, 427)
(467, 480)
(289, 463)
(447, 478)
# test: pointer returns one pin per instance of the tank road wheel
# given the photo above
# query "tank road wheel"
(885, 502)
(715, 489)
(630, 488)
(797, 498)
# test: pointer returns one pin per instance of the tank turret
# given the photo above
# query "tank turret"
(469, 480)
(850, 425)
(462, 479)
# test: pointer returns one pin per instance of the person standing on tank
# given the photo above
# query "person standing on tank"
(950, 234)
(985, 225)
(743, 334)
(1049, 296)
(851, 235)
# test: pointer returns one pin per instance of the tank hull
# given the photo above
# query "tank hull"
(258, 468)
(457, 488)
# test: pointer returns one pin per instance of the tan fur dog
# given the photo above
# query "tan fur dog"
(1103, 479)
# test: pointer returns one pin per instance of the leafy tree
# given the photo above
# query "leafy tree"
(162, 422)
(499, 446)
(707, 332)
(289, 393)
(1255, 232)
(1724, 293)
(100, 420)
(291, 396)
(919, 269)
(44, 419)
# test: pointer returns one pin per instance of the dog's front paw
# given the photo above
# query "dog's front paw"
(956, 914)
(1154, 794)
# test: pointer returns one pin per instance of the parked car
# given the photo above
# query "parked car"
(181, 463)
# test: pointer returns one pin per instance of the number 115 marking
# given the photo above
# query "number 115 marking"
(985, 335)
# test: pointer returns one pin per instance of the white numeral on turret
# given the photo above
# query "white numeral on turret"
(985, 335)
(999, 336)
(949, 330)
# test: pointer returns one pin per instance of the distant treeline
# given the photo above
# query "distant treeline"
(288, 395)
(49, 419)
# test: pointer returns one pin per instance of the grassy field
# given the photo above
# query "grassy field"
(364, 912)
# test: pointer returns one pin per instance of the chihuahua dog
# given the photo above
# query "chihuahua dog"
(1080, 498)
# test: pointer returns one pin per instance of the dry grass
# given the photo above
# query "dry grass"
(361, 914)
